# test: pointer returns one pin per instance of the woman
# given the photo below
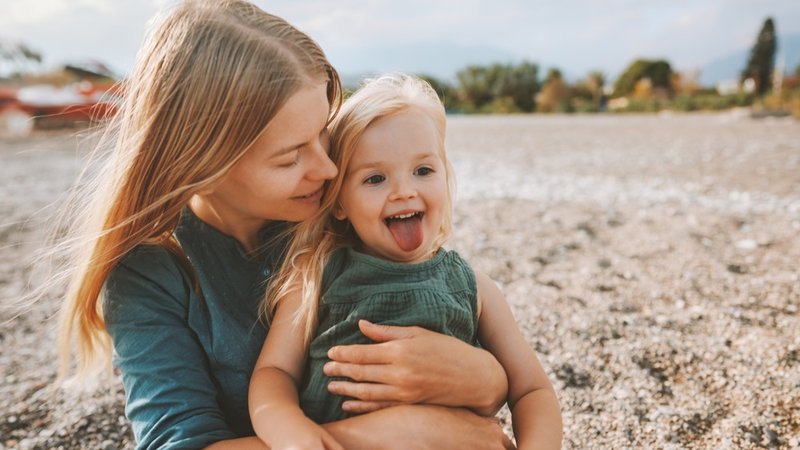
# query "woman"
(220, 140)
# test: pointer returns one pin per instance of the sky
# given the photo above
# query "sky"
(434, 36)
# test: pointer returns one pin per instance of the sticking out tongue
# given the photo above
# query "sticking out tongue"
(407, 232)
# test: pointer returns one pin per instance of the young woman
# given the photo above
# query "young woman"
(221, 140)
(374, 252)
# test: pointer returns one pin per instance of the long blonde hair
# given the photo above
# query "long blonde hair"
(207, 81)
(316, 238)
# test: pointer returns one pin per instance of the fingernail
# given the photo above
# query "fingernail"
(332, 386)
(327, 368)
(346, 406)
(330, 352)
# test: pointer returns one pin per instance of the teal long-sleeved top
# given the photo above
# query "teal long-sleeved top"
(186, 356)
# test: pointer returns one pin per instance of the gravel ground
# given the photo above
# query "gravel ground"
(652, 261)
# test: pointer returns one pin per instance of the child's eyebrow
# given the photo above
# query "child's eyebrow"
(373, 164)
(366, 165)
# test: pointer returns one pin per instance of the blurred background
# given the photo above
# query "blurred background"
(499, 57)
(635, 166)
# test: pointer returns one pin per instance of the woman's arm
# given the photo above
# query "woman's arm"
(534, 407)
(171, 399)
(272, 399)
(421, 427)
(415, 365)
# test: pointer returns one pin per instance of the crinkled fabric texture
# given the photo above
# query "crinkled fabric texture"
(186, 356)
(439, 294)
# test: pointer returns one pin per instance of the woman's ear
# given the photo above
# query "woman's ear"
(339, 213)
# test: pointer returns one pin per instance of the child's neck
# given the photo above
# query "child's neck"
(424, 256)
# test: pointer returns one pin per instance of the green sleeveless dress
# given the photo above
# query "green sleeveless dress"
(439, 294)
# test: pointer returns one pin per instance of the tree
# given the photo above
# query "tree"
(595, 82)
(658, 71)
(520, 84)
(446, 91)
(512, 86)
(762, 58)
(555, 94)
(475, 86)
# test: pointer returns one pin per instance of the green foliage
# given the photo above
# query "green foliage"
(480, 86)
(555, 95)
(587, 94)
(447, 93)
(762, 58)
(508, 88)
(658, 71)
(706, 101)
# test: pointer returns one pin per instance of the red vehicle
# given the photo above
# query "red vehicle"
(90, 96)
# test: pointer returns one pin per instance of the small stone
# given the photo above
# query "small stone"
(772, 436)
(737, 269)
(746, 244)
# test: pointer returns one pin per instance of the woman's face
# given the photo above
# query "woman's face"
(281, 177)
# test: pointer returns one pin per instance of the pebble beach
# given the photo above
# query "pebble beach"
(652, 261)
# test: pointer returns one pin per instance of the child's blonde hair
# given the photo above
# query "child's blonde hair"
(207, 81)
(316, 238)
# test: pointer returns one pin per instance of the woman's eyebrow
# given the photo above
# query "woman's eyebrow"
(288, 149)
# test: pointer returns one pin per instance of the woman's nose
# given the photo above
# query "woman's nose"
(321, 167)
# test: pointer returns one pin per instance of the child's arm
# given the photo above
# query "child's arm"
(536, 416)
(273, 399)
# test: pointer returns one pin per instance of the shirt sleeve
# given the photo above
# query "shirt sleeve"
(171, 396)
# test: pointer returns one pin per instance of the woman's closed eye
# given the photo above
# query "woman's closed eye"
(289, 159)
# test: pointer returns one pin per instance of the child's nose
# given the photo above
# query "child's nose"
(403, 189)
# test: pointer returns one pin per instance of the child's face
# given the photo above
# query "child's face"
(395, 188)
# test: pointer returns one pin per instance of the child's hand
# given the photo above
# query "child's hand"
(301, 433)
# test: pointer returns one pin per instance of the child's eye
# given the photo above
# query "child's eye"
(422, 171)
(375, 179)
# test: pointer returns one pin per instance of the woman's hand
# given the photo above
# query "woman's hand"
(421, 427)
(415, 365)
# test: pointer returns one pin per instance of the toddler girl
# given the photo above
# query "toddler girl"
(373, 254)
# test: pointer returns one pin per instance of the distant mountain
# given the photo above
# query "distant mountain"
(730, 66)
(441, 60)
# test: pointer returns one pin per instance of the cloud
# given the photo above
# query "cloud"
(576, 36)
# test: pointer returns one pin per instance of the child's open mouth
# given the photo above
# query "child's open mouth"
(406, 229)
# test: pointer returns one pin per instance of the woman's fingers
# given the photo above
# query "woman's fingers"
(361, 354)
(373, 373)
(364, 391)
(384, 333)
(359, 407)
(383, 352)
